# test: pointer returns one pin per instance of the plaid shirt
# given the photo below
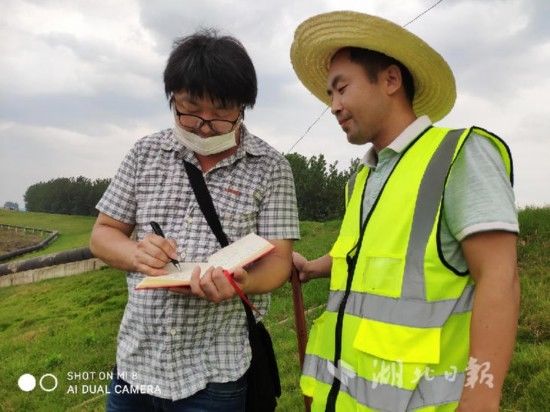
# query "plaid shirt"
(176, 342)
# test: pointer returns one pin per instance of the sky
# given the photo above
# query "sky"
(81, 80)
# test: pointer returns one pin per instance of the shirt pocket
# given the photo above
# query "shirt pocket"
(238, 222)
(164, 202)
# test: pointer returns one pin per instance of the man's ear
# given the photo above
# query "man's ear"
(392, 79)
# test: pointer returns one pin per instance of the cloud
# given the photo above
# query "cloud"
(81, 81)
(31, 154)
(60, 70)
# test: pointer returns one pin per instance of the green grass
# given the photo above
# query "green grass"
(58, 326)
(70, 324)
(526, 386)
(74, 231)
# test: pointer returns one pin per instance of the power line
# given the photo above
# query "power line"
(424, 12)
(324, 111)
(309, 128)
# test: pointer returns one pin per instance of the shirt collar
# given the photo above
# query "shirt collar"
(401, 142)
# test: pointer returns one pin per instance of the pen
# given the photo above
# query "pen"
(158, 231)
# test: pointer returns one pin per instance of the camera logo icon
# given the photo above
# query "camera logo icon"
(47, 382)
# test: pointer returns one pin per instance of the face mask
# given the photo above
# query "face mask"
(204, 146)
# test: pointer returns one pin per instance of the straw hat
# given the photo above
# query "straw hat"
(318, 38)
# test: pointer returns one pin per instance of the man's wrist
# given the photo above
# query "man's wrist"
(481, 403)
(308, 270)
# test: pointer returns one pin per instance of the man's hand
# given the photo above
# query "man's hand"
(213, 284)
(300, 263)
(153, 253)
(111, 242)
(312, 269)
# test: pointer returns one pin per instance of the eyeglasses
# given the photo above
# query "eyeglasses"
(216, 125)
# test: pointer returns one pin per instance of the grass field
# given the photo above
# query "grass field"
(68, 325)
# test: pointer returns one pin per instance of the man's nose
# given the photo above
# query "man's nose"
(335, 105)
(205, 130)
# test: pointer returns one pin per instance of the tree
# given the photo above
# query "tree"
(319, 186)
(11, 206)
(319, 190)
(66, 195)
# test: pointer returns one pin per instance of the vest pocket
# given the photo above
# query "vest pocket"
(317, 341)
(398, 343)
(382, 275)
(339, 252)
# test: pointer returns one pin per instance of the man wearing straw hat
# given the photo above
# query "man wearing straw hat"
(424, 293)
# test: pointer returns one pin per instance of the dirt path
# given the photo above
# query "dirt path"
(10, 240)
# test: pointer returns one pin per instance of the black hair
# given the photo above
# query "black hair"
(373, 62)
(206, 64)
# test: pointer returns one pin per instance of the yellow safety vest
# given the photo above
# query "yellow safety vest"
(395, 333)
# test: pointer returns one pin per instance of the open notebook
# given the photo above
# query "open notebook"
(238, 254)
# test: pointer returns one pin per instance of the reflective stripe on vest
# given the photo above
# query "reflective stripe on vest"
(378, 395)
(415, 313)
(427, 205)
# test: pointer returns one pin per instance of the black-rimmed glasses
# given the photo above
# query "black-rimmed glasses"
(195, 122)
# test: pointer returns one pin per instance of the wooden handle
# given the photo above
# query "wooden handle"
(300, 322)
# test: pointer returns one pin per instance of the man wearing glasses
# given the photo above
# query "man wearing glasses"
(187, 348)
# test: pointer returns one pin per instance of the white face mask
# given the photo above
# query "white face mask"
(204, 146)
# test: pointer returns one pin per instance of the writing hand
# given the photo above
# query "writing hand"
(153, 253)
